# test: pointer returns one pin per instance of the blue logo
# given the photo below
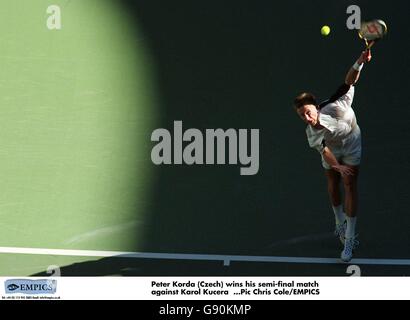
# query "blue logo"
(12, 287)
(30, 286)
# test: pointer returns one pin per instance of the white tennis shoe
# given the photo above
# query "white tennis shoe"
(350, 245)
(340, 231)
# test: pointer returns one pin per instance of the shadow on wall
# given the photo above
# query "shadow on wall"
(218, 67)
(232, 65)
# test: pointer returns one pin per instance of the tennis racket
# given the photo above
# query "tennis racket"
(372, 31)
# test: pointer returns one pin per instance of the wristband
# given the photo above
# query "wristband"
(357, 66)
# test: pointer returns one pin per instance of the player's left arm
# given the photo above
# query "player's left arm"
(331, 160)
(354, 73)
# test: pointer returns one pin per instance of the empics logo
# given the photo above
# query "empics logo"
(194, 147)
(12, 287)
(30, 286)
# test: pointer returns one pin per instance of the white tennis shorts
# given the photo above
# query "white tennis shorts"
(349, 152)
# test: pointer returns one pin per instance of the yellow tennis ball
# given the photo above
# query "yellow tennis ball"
(325, 30)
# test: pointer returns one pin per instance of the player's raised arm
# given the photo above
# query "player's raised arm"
(354, 72)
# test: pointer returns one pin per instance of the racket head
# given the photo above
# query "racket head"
(373, 30)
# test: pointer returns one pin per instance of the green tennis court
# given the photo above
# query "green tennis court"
(76, 106)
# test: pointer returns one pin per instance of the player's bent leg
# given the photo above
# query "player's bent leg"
(351, 203)
(351, 195)
(333, 187)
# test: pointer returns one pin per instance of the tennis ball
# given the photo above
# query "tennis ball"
(325, 30)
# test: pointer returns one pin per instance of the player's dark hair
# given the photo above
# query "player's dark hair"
(304, 99)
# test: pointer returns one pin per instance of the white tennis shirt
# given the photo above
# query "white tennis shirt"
(340, 132)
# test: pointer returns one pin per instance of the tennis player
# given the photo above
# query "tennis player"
(333, 131)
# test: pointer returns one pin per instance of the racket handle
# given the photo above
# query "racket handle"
(369, 44)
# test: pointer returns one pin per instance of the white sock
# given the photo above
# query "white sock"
(351, 226)
(340, 216)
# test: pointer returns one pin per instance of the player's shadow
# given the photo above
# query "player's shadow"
(122, 266)
(118, 266)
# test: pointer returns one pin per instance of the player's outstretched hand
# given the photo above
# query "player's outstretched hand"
(343, 170)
